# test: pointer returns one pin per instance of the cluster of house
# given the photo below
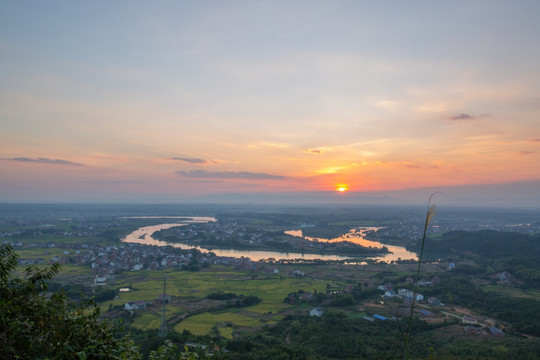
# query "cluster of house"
(229, 231)
(409, 295)
(473, 327)
(136, 305)
(402, 231)
(375, 317)
(471, 322)
(79, 230)
(470, 329)
(108, 260)
(223, 231)
(319, 313)
(105, 261)
(504, 278)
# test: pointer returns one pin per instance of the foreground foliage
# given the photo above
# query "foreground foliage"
(34, 326)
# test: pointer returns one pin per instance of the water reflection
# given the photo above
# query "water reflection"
(143, 236)
(357, 236)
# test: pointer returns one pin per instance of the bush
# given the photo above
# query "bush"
(33, 326)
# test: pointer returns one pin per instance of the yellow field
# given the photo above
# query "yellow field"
(189, 288)
(226, 332)
(202, 324)
(147, 321)
(268, 307)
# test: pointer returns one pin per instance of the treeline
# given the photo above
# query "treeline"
(326, 231)
(337, 336)
(502, 251)
(336, 299)
(486, 243)
(237, 300)
(494, 252)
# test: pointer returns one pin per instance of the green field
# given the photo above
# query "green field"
(41, 252)
(269, 307)
(226, 332)
(147, 320)
(203, 324)
(149, 284)
(188, 288)
(513, 291)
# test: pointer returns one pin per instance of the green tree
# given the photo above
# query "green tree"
(34, 326)
(169, 351)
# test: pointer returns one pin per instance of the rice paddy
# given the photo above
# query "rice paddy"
(190, 310)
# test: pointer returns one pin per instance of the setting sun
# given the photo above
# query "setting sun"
(342, 188)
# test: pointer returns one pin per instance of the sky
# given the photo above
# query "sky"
(168, 100)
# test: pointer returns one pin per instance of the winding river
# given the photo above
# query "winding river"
(144, 234)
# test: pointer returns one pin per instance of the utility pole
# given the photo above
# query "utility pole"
(163, 328)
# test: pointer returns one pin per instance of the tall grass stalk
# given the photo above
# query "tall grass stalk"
(430, 213)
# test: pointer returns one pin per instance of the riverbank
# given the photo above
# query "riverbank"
(181, 235)
(343, 248)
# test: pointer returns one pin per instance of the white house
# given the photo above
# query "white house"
(137, 267)
(130, 306)
(316, 312)
(405, 293)
(469, 320)
(135, 305)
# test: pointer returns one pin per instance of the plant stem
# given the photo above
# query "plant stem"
(431, 210)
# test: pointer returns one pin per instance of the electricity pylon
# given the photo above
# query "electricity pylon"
(163, 327)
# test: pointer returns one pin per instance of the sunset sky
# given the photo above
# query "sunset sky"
(164, 100)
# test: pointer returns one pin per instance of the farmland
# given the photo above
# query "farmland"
(188, 307)
(207, 294)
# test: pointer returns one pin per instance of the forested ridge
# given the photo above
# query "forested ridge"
(494, 250)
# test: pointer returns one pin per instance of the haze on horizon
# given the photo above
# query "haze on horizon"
(133, 101)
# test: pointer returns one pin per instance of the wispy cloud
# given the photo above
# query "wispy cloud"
(45, 161)
(535, 140)
(268, 145)
(319, 150)
(464, 116)
(525, 152)
(330, 170)
(412, 165)
(195, 161)
(203, 174)
(461, 116)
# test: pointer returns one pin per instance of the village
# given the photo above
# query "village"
(106, 261)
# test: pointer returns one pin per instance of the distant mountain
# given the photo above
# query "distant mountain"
(297, 198)
(516, 194)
